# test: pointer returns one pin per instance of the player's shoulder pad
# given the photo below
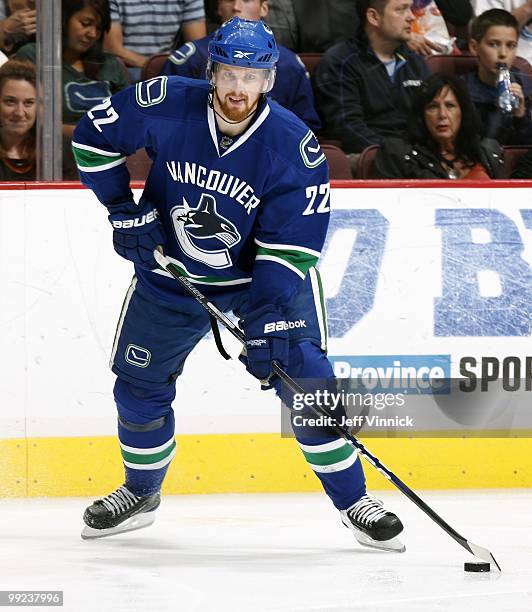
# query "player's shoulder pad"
(162, 94)
(292, 138)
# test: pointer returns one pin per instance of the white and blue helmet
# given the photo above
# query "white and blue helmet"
(246, 44)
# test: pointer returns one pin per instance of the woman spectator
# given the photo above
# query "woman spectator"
(444, 138)
(89, 74)
(18, 104)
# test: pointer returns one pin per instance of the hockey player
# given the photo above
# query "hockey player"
(238, 197)
(292, 87)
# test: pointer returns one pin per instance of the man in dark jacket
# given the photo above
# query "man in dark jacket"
(364, 85)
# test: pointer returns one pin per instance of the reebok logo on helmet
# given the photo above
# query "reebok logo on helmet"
(243, 54)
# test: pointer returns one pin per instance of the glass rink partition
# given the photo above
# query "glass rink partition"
(422, 280)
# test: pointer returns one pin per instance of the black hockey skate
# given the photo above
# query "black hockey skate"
(119, 512)
(372, 525)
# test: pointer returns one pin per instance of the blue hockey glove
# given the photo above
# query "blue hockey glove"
(266, 334)
(136, 232)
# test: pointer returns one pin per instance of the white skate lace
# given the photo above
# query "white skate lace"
(119, 501)
(367, 510)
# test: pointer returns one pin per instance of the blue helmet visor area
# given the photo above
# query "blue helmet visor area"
(237, 78)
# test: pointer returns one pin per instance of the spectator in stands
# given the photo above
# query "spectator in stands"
(494, 36)
(364, 86)
(444, 138)
(89, 75)
(523, 168)
(292, 87)
(522, 11)
(332, 21)
(140, 29)
(18, 104)
(312, 31)
(430, 32)
(18, 24)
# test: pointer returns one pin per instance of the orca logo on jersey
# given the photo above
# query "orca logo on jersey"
(205, 224)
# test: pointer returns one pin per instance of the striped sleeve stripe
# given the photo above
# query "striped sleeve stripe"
(103, 152)
(298, 261)
(282, 262)
(286, 247)
(91, 160)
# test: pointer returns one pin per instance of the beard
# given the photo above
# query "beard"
(230, 112)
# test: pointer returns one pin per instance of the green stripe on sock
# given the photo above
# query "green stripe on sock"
(330, 457)
(300, 260)
(90, 159)
(147, 459)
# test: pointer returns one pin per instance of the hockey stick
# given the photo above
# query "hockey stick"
(474, 549)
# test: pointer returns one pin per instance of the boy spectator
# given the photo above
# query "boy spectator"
(522, 11)
(364, 86)
(292, 87)
(141, 29)
(494, 38)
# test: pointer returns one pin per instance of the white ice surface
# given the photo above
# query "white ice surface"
(271, 552)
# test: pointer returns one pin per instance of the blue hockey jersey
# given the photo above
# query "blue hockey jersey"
(253, 214)
(292, 88)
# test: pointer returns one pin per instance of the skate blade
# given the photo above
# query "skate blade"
(133, 523)
(391, 545)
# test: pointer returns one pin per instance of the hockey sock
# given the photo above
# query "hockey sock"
(337, 465)
(333, 460)
(146, 434)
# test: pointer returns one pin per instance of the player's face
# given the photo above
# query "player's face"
(245, 9)
(83, 30)
(395, 22)
(237, 90)
(498, 45)
(17, 107)
(443, 117)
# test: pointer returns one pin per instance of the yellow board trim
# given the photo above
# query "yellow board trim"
(252, 463)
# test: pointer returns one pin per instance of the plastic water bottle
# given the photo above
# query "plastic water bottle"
(506, 99)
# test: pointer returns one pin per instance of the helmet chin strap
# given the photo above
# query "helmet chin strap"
(211, 104)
